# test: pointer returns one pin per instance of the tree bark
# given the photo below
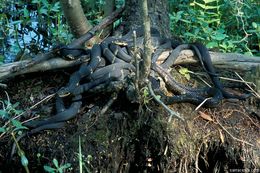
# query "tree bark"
(109, 7)
(75, 16)
(146, 65)
(158, 13)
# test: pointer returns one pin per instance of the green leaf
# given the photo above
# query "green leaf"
(224, 45)
(219, 36)
(35, 1)
(212, 44)
(213, 20)
(146, 92)
(17, 112)
(209, 1)
(254, 25)
(56, 7)
(185, 21)
(207, 7)
(45, 3)
(55, 162)
(3, 114)
(16, 123)
(21, 128)
(15, 105)
(201, 5)
(25, 12)
(43, 10)
(187, 76)
(48, 169)
(2, 130)
(1, 56)
(183, 71)
(210, 7)
(7, 102)
(66, 166)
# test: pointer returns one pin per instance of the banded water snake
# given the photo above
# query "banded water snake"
(118, 65)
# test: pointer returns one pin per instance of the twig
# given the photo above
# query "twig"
(235, 80)
(202, 103)
(108, 104)
(136, 63)
(46, 98)
(257, 95)
(33, 118)
(172, 113)
(240, 140)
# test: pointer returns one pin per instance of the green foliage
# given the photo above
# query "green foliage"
(27, 28)
(8, 113)
(94, 10)
(58, 168)
(10, 125)
(53, 13)
(146, 95)
(228, 25)
(185, 73)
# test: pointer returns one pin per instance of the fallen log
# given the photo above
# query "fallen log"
(231, 61)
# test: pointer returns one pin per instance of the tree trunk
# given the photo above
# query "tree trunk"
(75, 16)
(158, 13)
(109, 7)
(146, 66)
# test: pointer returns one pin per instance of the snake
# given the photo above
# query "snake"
(193, 95)
(117, 56)
(84, 70)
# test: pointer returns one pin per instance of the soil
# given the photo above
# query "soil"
(133, 138)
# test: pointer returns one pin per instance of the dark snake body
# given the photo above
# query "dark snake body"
(118, 67)
(193, 95)
(85, 70)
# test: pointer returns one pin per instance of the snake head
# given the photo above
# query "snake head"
(63, 92)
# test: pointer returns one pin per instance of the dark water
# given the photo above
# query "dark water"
(20, 33)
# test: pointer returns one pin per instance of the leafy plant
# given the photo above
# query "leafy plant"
(58, 168)
(226, 25)
(8, 114)
(185, 72)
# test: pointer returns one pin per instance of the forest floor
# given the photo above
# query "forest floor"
(127, 139)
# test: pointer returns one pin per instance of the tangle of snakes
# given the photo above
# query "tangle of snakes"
(112, 60)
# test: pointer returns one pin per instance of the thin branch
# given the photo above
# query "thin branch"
(257, 95)
(136, 62)
(108, 104)
(171, 112)
(202, 103)
(235, 138)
